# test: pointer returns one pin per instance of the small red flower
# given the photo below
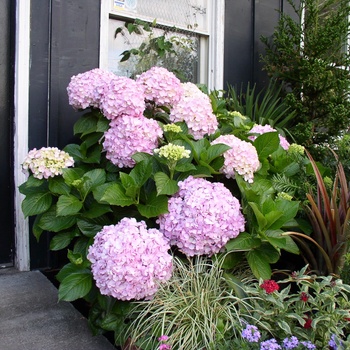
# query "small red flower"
(304, 296)
(308, 322)
(270, 286)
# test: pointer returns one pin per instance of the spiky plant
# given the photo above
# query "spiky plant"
(195, 308)
(329, 215)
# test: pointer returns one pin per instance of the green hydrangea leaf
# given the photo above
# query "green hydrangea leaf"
(68, 205)
(75, 286)
(36, 203)
(164, 184)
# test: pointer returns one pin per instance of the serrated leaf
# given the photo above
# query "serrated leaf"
(141, 172)
(259, 216)
(131, 189)
(74, 151)
(164, 184)
(62, 240)
(266, 144)
(68, 205)
(58, 186)
(50, 222)
(156, 205)
(259, 265)
(97, 177)
(243, 242)
(87, 124)
(37, 230)
(96, 210)
(217, 150)
(72, 174)
(114, 194)
(33, 185)
(88, 228)
(67, 270)
(36, 203)
(75, 286)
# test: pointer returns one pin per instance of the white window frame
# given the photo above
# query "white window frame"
(212, 55)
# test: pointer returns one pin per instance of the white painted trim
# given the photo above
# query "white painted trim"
(214, 55)
(104, 23)
(22, 59)
(216, 45)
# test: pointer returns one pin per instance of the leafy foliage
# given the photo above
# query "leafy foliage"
(306, 54)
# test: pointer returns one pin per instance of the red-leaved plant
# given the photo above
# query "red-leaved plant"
(329, 215)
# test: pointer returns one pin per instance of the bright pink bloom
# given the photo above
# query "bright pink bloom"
(122, 96)
(160, 86)
(129, 135)
(241, 158)
(202, 217)
(195, 109)
(85, 89)
(129, 260)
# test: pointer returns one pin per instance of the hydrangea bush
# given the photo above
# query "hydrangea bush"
(160, 171)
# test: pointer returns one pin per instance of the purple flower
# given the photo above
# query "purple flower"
(129, 260)
(332, 342)
(308, 345)
(251, 333)
(262, 129)
(291, 343)
(86, 89)
(202, 217)
(122, 96)
(129, 135)
(195, 109)
(270, 344)
(241, 158)
(160, 86)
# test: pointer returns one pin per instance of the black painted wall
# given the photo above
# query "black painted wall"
(64, 42)
(245, 22)
(6, 118)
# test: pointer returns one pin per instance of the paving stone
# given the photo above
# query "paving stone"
(31, 318)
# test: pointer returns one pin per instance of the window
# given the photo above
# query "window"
(197, 37)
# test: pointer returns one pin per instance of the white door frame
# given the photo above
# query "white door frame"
(20, 142)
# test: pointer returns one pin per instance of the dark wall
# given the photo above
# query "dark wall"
(6, 113)
(64, 42)
(245, 22)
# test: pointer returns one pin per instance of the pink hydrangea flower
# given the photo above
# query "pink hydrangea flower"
(85, 89)
(129, 260)
(242, 157)
(122, 96)
(128, 135)
(262, 129)
(195, 109)
(46, 162)
(160, 86)
(202, 217)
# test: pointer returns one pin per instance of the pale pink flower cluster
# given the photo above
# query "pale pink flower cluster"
(46, 162)
(242, 157)
(122, 96)
(262, 129)
(202, 217)
(129, 260)
(85, 89)
(129, 135)
(195, 109)
(160, 86)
